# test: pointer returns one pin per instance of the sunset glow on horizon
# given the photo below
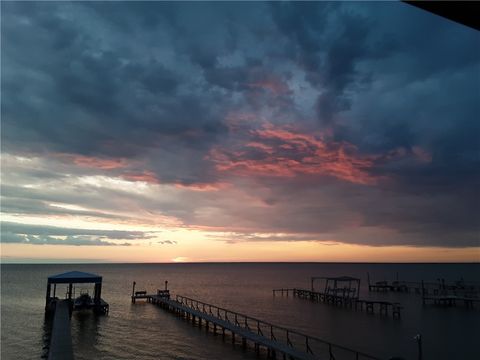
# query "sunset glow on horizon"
(287, 132)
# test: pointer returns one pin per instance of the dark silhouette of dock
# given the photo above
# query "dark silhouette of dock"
(60, 344)
(450, 294)
(342, 291)
(97, 304)
(437, 293)
(275, 341)
(370, 306)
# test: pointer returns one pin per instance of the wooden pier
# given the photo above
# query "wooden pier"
(60, 347)
(370, 306)
(272, 340)
(395, 286)
(418, 287)
(448, 295)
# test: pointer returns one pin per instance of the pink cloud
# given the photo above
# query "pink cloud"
(260, 146)
(289, 152)
(94, 162)
(146, 176)
(203, 186)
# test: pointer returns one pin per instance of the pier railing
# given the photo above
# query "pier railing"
(311, 345)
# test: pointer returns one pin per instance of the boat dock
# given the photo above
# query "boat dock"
(450, 295)
(60, 344)
(370, 306)
(437, 293)
(272, 340)
(61, 341)
(342, 291)
(419, 287)
(97, 304)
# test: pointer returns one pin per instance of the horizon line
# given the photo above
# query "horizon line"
(235, 262)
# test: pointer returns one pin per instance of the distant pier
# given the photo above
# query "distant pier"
(370, 306)
(342, 291)
(450, 295)
(395, 285)
(437, 293)
(272, 340)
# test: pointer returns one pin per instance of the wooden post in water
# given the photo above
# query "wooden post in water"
(47, 296)
(423, 293)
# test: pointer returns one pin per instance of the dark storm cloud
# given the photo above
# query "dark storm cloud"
(330, 43)
(145, 91)
(88, 94)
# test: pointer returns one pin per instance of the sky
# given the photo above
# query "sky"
(245, 131)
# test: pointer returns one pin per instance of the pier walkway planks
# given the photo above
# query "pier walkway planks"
(276, 340)
(234, 329)
(61, 340)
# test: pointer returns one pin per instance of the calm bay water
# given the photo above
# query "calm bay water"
(143, 331)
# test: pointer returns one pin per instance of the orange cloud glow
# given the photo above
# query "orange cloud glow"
(202, 186)
(146, 176)
(287, 152)
(97, 163)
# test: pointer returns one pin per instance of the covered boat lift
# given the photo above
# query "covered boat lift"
(340, 286)
(75, 277)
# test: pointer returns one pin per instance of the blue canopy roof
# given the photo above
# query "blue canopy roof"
(71, 277)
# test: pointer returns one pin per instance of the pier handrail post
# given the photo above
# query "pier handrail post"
(418, 338)
(272, 336)
(259, 330)
(246, 323)
(330, 351)
(309, 350)
(288, 339)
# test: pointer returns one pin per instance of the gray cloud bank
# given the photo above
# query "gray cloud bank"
(146, 91)
(48, 235)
